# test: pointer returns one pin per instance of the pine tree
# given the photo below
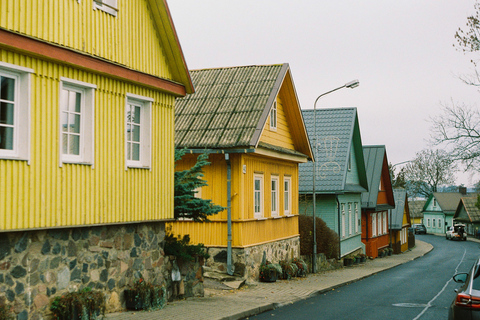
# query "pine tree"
(186, 205)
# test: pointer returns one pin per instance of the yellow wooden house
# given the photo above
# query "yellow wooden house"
(86, 126)
(400, 221)
(249, 121)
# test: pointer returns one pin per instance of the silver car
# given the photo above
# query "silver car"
(466, 304)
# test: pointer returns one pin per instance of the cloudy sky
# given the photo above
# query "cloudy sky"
(401, 52)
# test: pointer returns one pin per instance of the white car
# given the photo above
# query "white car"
(456, 232)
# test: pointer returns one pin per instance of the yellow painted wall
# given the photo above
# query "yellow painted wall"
(246, 230)
(43, 194)
(281, 136)
(131, 40)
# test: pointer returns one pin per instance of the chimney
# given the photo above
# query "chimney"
(462, 190)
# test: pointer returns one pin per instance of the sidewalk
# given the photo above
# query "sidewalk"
(245, 302)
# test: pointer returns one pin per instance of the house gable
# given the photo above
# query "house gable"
(139, 41)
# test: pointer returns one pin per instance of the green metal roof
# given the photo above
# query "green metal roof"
(229, 108)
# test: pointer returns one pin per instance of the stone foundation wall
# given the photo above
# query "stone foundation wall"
(246, 261)
(191, 283)
(36, 266)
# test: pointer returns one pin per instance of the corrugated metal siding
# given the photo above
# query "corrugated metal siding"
(131, 39)
(43, 194)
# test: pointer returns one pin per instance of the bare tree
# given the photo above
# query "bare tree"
(429, 170)
(458, 126)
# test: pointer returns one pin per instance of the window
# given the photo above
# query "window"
(439, 223)
(380, 185)
(76, 121)
(433, 223)
(274, 199)
(258, 195)
(343, 219)
(109, 6)
(428, 222)
(273, 117)
(379, 223)
(138, 132)
(350, 222)
(14, 111)
(385, 229)
(374, 224)
(287, 184)
(357, 220)
(434, 202)
(349, 165)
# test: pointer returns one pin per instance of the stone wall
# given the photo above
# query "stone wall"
(191, 283)
(246, 261)
(36, 266)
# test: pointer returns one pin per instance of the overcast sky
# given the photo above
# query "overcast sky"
(401, 52)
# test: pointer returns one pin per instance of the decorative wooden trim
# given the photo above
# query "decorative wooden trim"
(17, 42)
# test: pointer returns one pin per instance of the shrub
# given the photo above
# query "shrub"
(145, 296)
(84, 304)
(5, 313)
(180, 247)
(327, 239)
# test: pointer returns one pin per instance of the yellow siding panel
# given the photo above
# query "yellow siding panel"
(45, 194)
(281, 136)
(131, 40)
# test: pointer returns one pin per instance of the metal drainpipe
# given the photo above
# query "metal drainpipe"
(229, 215)
(339, 226)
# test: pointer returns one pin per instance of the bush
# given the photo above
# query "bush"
(145, 296)
(180, 247)
(84, 304)
(327, 239)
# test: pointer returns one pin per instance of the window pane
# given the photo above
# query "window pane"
(6, 138)
(78, 101)
(64, 121)
(72, 101)
(74, 123)
(6, 113)
(136, 133)
(136, 117)
(135, 151)
(7, 89)
(257, 185)
(74, 144)
(65, 143)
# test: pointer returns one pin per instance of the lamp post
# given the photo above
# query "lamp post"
(351, 84)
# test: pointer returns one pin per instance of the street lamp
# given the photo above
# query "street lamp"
(352, 84)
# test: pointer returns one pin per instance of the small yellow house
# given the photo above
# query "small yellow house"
(87, 93)
(249, 121)
(400, 221)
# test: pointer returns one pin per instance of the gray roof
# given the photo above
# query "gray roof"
(229, 108)
(448, 201)
(416, 207)
(469, 203)
(337, 131)
(374, 161)
(400, 196)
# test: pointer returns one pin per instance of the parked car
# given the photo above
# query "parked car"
(456, 232)
(466, 305)
(420, 229)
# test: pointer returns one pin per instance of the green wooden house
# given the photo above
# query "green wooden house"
(340, 174)
(469, 214)
(439, 210)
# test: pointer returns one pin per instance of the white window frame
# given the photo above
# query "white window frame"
(440, 225)
(21, 112)
(258, 213)
(385, 219)
(273, 117)
(145, 104)
(87, 121)
(342, 206)
(287, 195)
(433, 223)
(350, 217)
(428, 222)
(274, 195)
(374, 224)
(109, 6)
(357, 221)
(349, 164)
(379, 224)
(434, 202)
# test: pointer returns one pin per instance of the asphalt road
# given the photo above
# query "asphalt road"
(421, 289)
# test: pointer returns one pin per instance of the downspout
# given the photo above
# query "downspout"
(229, 215)
(339, 226)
